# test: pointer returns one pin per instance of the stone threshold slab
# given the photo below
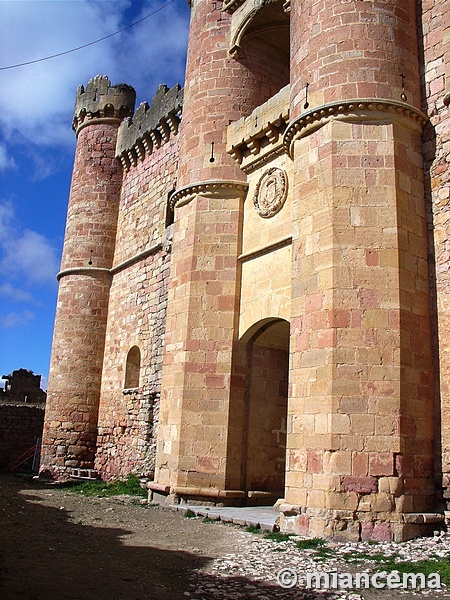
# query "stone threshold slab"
(264, 517)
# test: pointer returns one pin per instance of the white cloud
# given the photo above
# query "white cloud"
(36, 101)
(35, 98)
(36, 110)
(6, 161)
(14, 319)
(24, 254)
(10, 292)
(33, 255)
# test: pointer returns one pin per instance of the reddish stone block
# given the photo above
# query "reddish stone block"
(313, 302)
(326, 338)
(407, 426)
(423, 466)
(377, 531)
(206, 464)
(362, 485)
(404, 465)
(360, 464)
(381, 464)
(315, 461)
(303, 524)
(339, 318)
(372, 257)
(366, 531)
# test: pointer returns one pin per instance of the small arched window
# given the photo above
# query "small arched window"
(133, 368)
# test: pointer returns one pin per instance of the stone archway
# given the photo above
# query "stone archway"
(264, 415)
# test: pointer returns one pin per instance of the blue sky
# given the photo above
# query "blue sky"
(37, 143)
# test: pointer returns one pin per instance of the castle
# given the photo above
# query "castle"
(254, 295)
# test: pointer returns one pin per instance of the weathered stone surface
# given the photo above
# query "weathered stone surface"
(288, 347)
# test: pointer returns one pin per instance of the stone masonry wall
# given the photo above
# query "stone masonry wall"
(435, 26)
(137, 310)
(19, 428)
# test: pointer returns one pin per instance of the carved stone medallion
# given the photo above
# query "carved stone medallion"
(271, 192)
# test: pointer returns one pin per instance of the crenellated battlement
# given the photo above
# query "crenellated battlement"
(151, 126)
(101, 100)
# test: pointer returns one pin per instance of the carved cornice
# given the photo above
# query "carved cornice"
(372, 109)
(136, 258)
(231, 6)
(256, 151)
(208, 189)
(255, 140)
(151, 127)
(287, 241)
(92, 271)
(89, 271)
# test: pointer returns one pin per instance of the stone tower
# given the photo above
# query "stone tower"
(70, 430)
(208, 202)
(363, 445)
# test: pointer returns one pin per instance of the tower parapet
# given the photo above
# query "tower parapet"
(102, 101)
(151, 126)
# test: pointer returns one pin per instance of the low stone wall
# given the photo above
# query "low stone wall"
(20, 425)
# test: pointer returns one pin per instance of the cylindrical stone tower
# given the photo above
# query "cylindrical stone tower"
(220, 88)
(70, 427)
(360, 449)
(353, 50)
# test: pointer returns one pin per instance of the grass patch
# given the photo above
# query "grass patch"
(130, 486)
(321, 549)
(323, 553)
(207, 520)
(380, 559)
(276, 536)
(310, 544)
(190, 514)
(434, 564)
(253, 529)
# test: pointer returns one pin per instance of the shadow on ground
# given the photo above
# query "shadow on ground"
(44, 555)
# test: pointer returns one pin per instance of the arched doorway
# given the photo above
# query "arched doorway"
(264, 415)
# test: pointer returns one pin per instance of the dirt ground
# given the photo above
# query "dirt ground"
(57, 545)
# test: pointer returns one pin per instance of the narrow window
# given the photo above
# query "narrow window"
(133, 368)
(170, 217)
